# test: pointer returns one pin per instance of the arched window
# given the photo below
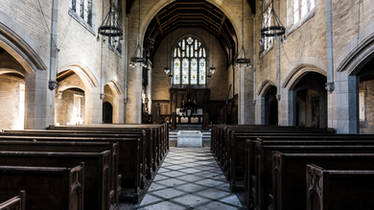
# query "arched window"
(189, 62)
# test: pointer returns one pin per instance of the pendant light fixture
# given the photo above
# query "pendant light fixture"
(111, 25)
(212, 68)
(137, 58)
(242, 57)
(167, 69)
(276, 29)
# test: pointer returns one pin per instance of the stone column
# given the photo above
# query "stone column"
(245, 99)
(39, 106)
(286, 107)
(345, 117)
(133, 109)
(260, 110)
(93, 107)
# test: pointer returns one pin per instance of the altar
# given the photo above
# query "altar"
(188, 138)
(189, 116)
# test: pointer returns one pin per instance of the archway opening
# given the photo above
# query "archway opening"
(12, 101)
(70, 99)
(271, 106)
(107, 112)
(366, 98)
(189, 39)
(109, 104)
(311, 101)
(12, 92)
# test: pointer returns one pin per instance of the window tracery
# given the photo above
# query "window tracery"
(189, 62)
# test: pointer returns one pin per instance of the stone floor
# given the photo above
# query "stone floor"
(189, 179)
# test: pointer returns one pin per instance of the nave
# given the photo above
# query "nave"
(189, 178)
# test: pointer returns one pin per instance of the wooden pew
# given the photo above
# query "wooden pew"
(235, 162)
(96, 174)
(290, 178)
(339, 189)
(15, 203)
(156, 136)
(259, 185)
(133, 178)
(56, 188)
(69, 146)
(221, 131)
(159, 131)
(222, 143)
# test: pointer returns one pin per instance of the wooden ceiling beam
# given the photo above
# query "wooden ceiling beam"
(159, 25)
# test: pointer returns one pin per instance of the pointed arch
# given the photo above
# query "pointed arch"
(298, 72)
(17, 43)
(265, 85)
(88, 78)
(358, 56)
(10, 71)
(157, 7)
(115, 87)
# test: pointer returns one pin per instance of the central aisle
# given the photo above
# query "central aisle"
(190, 179)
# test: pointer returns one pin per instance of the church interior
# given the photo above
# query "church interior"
(186, 104)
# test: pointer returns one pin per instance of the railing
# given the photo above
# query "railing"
(16, 203)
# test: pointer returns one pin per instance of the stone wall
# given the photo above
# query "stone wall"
(78, 48)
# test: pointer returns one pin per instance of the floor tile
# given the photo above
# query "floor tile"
(189, 178)
(155, 186)
(214, 193)
(163, 206)
(167, 193)
(216, 206)
(190, 200)
(149, 199)
(190, 187)
(171, 182)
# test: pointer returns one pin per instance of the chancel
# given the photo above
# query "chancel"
(186, 104)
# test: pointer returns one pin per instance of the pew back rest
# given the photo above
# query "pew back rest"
(15, 203)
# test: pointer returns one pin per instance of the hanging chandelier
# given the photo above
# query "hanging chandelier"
(167, 70)
(212, 69)
(242, 59)
(137, 58)
(276, 29)
(111, 24)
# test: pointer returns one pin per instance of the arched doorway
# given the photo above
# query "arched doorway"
(107, 112)
(70, 107)
(271, 106)
(70, 99)
(12, 92)
(310, 101)
(12, 101)
(366, 97)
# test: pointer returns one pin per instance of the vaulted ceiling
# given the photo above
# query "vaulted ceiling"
(191, 14)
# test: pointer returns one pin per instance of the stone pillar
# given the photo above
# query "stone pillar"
(243, 99)
(93, 107)
(133, 109)
(39, 106)
(286, 107)
(260, 110)
(345, 117)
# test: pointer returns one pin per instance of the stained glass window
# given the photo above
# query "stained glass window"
(189, 62)
(194, 71)
(298, 11)
(185, 71)
(177, 72)
(202, 71)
